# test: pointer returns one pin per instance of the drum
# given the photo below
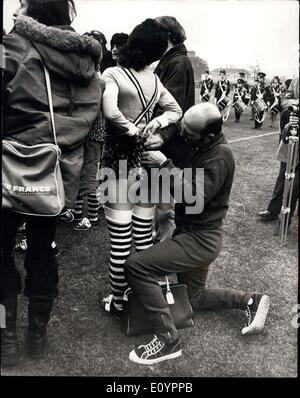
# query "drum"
(206, 97)
(223, 103)
(239, 106)
(259, 106)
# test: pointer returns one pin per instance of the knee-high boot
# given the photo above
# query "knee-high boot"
(9, 342)
(38, 318)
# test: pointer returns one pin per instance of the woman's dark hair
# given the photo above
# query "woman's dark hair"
(146, 44)
(52, 12)
(175, 31)
(119, 39)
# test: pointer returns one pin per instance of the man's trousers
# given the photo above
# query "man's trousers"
(188, 254)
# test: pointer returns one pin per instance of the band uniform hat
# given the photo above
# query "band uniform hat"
(261, 74)
(242, 74)
(207, 71)
(240, 81)
(223, 71)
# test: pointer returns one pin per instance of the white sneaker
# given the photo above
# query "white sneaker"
(261, 309)
(83, 225)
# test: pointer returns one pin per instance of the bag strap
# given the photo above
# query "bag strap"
(169, 295)
(49, 94)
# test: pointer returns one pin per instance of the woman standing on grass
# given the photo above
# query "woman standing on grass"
(42, 35)
(130, 88)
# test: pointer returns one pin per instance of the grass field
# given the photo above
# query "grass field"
(86, 342)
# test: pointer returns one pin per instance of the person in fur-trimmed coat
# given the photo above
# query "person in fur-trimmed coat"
(70, 60)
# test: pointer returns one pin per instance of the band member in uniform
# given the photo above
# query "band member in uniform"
(274, 99)
(239, 100)
(222, 91)
(259, 93)
(247, 91)
(206, 87)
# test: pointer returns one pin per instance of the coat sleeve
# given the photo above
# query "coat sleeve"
(176, 81)
(15, 50)
(215, 173)
(228, 88)
(170, 107)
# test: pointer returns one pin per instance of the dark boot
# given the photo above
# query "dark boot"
(38, 318)
(9, 342)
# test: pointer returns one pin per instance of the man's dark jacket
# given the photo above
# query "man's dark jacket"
(218, 163)
(176, 74)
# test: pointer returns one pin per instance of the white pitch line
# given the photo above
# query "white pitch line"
(253, 136)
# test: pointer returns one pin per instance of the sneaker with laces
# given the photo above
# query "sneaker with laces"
(83, 225)
(157, 350)
(259, 305)
(108, 305)
(66, 216)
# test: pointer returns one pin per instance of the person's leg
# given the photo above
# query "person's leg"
(295, 193)
(10, 287)
(93, 208)
(78, 208)
(165, 215)
(142, 220)
(275, 203)
(171, 256)
(237, 116)
(119, 228)
(41, 281)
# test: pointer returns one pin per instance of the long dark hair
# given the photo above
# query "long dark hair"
(146, 44)
(52, 12)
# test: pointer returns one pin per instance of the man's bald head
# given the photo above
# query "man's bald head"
(199, 117)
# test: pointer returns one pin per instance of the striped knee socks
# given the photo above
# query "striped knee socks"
(142, 228)
(119, 227)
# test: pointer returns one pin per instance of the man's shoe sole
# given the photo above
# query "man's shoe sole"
(259, 320)
(134, 358)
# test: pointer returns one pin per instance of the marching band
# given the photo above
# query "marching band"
(262, 98)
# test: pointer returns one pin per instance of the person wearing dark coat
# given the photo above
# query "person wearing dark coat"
(239, 98)
(274, 92)
(222, 87)
(196, 242)
(176, 74)
(206, 87)
(259, 92)
(47, 39)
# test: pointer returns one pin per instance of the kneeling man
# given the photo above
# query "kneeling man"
(195, 244)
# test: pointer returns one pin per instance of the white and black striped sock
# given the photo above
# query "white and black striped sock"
(93, 207)
(142, 227)
(78, 208)
(120, 245)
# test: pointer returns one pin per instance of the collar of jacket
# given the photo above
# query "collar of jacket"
(220, 139)
(62, 38)
(178, 49)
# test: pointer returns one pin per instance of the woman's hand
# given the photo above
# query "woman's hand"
(133, 131)
(152, 126)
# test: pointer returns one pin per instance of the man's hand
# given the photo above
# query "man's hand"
(153, 158)
(153, 142)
